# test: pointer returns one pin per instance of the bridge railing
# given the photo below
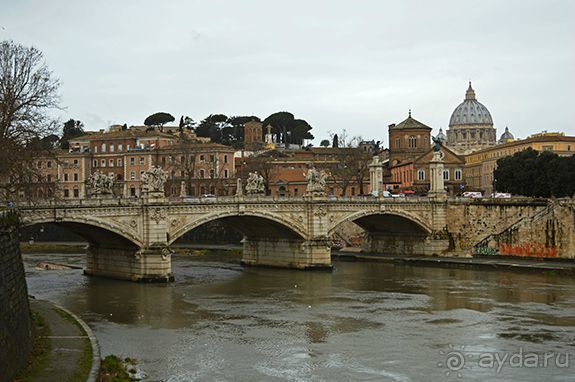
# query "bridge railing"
(131, 201)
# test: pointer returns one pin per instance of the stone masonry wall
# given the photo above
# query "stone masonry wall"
(15, 320)
(550, 233)
(470, 222)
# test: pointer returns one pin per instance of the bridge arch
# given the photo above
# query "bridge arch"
(271, 225)
(402, 221)
(93, 230)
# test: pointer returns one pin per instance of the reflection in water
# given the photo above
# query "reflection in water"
(363, 321)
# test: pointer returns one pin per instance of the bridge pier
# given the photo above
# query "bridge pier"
(130, 263)
(287, 253)
(405, 244)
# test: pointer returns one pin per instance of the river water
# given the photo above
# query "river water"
(363, 321)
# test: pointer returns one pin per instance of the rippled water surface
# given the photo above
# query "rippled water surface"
(364, 321)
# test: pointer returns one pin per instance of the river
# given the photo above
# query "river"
(363, 321)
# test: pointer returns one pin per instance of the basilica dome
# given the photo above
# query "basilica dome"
(470, 111)
(506, 136)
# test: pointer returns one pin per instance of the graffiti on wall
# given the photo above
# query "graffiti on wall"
(532, 249)
(484, 250)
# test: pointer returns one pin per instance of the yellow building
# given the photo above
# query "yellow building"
(479, 165)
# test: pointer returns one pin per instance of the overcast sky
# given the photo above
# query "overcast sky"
(354, 65)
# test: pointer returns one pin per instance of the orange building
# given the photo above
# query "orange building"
(415, 174)
(284, 171)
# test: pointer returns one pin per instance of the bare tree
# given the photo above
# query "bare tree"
(28, 91)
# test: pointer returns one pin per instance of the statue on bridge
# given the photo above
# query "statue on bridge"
(437, 153)
(100, 184)
(316, 181)
(154, 179)
(255, 184)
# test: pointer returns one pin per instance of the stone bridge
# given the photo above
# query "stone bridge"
(131, 238)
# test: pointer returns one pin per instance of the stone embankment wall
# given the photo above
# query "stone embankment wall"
(15, 321)
(549, 233)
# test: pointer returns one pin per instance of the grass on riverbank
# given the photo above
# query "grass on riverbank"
(114, 369)
(40, 349)
(208, 251)
(52, 248)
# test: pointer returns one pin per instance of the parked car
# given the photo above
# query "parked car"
(501, 195)
(472, 194)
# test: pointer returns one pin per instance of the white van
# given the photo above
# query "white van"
(472, 194)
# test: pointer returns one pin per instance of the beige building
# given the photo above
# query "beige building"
(194, 167)
(479, 166)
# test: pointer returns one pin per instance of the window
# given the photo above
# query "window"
(226, 158)
(458, 174)
(212, 158)
(163, 161)
(76, 193)
(412, 142)
(173, 174)
(120, 147)
(352, 191)
(49, 163)
(202, 158)
(103, 147)
(226, 173)
(132, 191)
(397, 143)
(547, 148)
(119, 163)
(141, 173)
(75, 162)
(182, 159)
(202, 173)
(75, 177)
(128, 147)
(132, 161)
(111, 163)
(141, 161)
(49, 178)
(295, 191)
(111, 147)
(132, 175)
(212, 174)
(66, 193)
(95, 163)
(445, 174)
(96, 149)
(420, 174)
(103, 163)
(39, 164)
(65, 177)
